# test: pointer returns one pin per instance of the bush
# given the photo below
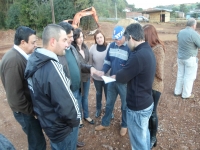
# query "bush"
(12, 20)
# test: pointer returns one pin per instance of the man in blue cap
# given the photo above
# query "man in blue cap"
(116, 58)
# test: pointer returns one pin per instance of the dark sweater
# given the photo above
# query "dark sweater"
(139, 73)
(12, 68)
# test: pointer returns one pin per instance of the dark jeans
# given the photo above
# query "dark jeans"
(153, 121)
(84, 99)
(115, 88)
(100, 86)
(33, 130)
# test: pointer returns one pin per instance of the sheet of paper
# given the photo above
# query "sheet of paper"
(107, 79)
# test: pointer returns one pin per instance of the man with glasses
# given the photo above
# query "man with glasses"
(138, 73)
(116, 58)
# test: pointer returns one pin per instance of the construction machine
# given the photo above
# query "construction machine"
(86, 12)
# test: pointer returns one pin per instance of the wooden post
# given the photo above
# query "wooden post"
(52, 10)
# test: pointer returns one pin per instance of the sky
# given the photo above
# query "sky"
(153, 3)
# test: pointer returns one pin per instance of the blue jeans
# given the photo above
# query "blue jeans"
(33, 130)
(84, 99)
(99, 85)
(69, 143)
(5, 143)
(113, 89)
(138, 122)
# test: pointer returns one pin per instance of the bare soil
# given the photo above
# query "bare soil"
(179, 119)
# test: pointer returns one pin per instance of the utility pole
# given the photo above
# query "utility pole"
(52, 10)
(115, 11)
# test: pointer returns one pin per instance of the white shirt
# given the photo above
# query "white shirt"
(21, 52)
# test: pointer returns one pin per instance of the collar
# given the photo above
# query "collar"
(21, 52)
(125, 43)
(47, 53)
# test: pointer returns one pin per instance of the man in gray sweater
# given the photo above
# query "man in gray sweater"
(188, 44)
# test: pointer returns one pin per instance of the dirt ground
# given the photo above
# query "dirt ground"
(179, 119)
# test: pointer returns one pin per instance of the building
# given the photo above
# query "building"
(158, 15)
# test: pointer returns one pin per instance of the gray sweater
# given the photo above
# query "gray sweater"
(188, 43)
(97, 60)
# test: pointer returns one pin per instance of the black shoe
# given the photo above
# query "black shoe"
(80, 144)
(153, 142)
(98, 113)
(81, 125)
(91, 122)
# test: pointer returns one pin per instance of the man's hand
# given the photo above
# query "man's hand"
(113, 76)
(97, 72)
(92, 71)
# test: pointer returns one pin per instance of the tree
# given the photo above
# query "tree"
(198, 6)
(183, 8)
(64, 9)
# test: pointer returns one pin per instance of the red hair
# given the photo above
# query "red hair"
(151, 36)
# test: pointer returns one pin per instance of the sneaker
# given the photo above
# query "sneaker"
(191, 96)
(100, 127)
(123, 131)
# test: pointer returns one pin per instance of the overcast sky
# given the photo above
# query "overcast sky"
(152, 3)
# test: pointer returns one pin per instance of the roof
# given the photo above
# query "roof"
(156, 10)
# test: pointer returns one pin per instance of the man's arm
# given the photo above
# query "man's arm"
(15, 89)
(129, 71)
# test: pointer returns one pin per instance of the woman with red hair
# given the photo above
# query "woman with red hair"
(151, 36)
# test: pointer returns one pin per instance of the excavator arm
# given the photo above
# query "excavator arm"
(86, 12)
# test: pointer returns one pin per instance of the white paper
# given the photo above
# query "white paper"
(107, 79)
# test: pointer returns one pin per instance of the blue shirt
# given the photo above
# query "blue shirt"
(116, 58)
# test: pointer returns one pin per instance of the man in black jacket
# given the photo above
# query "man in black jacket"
(73, 68)
(138, 73)
(54, 104)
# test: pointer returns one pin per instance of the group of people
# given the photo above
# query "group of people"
(47, 87)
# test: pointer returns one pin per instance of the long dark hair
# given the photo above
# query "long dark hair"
(77, 33)
(151, 36)
(95, 35)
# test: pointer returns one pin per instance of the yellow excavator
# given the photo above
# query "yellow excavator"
(86, 12)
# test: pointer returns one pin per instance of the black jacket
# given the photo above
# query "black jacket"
(139, 73)
(53, 101)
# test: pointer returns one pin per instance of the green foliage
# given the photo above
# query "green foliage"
(183, 8)
(2, 20)
(12, 20)
(28, 13)
(198, 6)
(63, 10)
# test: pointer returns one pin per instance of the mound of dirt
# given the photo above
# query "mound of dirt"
(126, 22)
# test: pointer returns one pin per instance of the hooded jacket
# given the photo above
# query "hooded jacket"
(53, 102)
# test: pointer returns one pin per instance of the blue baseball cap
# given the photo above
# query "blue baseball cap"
(118, 33)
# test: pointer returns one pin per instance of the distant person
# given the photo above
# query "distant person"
(5, 144)
(83, 55)
(138, 73)
(73, 68)
(116, 57)
(12, 69)
(151, 36)
(54, 104)
(188, 44)
(98, 53)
